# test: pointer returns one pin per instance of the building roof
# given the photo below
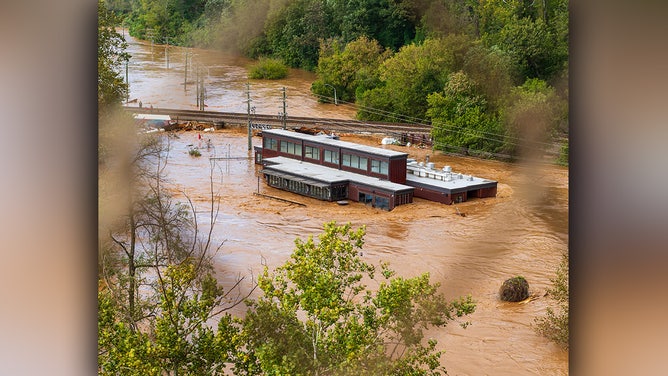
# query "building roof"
(328, 175)
(444, 181)
(325, 140)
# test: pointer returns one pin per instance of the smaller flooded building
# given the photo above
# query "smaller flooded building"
(329, 169)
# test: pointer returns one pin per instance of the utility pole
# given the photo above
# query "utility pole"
(250, 144)
(185, 73)
(127, 91)
(284, 114)
(200, 89)
(197, 87)
(167, 51)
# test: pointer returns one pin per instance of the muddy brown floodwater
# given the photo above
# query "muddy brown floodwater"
(523, 231)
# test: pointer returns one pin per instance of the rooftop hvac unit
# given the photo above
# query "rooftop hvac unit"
(460, 176)
(447, 169)
(470, 178)
(430, 165)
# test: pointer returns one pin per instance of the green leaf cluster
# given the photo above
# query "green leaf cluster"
(554, 325)
(111, 87)
(317, 315)
(268, 69)
(177, 339)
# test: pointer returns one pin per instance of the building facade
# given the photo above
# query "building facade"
(329, 169)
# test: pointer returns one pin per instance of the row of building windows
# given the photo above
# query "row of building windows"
(329, 156)
(354, 161)
(322, 193)
(403, 198)
(376, 201)
(291, 148)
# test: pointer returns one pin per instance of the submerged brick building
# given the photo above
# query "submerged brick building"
(329, 169)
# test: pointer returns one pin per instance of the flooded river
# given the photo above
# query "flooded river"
(523, 231)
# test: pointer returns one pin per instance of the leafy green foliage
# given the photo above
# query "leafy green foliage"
(460, 118)
(563, 155)
(535, 114)
(294, 31)
(554, 325)
(391, 23)
(111, 87)
(409, 76)
(351, 69)
(194, 152)
(178, 339)
(390, 56)
(157, 294)
(162, 20)
(269, 69)
(317, 315)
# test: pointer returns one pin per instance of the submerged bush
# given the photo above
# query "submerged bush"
(514, 289)
(268, 69)
(554, 325)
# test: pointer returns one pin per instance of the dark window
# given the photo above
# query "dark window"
(270, 143)
(311, 152)
(379, 167)
(331, 156)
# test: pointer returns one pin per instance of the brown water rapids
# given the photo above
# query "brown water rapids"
(523, 231)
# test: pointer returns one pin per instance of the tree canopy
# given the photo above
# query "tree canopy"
(111, 87)
(317, 315)
(390, 56)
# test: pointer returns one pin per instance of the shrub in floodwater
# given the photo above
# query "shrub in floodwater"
(514, 289)
(563, 155)
(268, 69)
(194, 152)
(554, 325)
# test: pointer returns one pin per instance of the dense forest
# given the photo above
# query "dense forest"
(490, 76)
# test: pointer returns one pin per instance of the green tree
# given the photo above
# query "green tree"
(317, 316)
(162, 19)
(293, 32)
(554, 325)
(491, 70)
(179, 340)
(461, 120)
(351, 70)
(536, 115)
(409, 76)
(533, 47)
(269, 69)
(390, 22)
(111, 55)
(157, 291)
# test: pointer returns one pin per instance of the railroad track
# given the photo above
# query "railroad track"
(336, 125)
